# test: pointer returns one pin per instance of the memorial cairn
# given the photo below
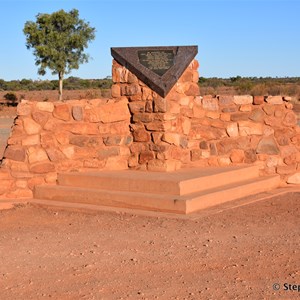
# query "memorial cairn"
(226, 147)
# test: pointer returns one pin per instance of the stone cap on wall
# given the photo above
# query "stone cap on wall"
(158, 67)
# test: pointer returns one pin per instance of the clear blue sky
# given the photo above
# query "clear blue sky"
(241, 37)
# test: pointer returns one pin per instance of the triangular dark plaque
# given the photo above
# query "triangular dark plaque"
(158, 67)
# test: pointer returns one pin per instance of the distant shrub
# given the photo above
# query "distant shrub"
(12, 98)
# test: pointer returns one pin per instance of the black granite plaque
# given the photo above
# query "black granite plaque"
(158, 67)
(159, 61)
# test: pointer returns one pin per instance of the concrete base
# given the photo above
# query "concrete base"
(181, 192)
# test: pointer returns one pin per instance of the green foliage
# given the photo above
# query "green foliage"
(58, 41)
(11, 98)
(71, 83)
(289, 86)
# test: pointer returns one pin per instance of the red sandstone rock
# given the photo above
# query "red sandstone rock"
(194, 64)
(61, 137)
(116, 91)
(283, 136)
(268, 145)
(172, 138)
(31, 140)
(268, 130)
(113, 140)
(274, 100)
(137, 107)
(40, 117)
(141, 135)
(225, 117)
(192, 90)
(279, 113)
(198, 111)
(272, 121)
(131, 90)
(142, 117)
(186, 126)
(289, 105)
(146, 156)
(19, 167)
(292, 159)
(290, 119)
(213, 115)
(286, 170)
(294, 179)
(210, 103)
(269, 109)
(50, 177)
(242, 116)
(242, 99)
(55, 154)
(246, 107)
(80, 128)
(21, 183)
(250, 128)
(132, 78)
(258, 100)
(24, 108)
(286, 151)
(237, 156)
(187, 76)
(43, 167)
(257, 115)
(147, 94)
(225, 100)
(45, 106)
(217, 124)
(195, 76)
(232, 130)
(119, 74)
(160, 105)
(149, 106)
(30, 126)
(185, 101)
(77, 113)
(114, 112)
(68, 151)
(250, 156)
(230, 109)
(158, 126)
(62, 112)
(16, 153)
(36, 154)
(32, 182)
(108, 152)
(49, 140)
(214, 161)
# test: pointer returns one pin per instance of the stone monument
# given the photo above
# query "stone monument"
(158, 67)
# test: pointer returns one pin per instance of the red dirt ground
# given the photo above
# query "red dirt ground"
(227, 252)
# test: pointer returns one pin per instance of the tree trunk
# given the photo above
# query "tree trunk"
(60, 77)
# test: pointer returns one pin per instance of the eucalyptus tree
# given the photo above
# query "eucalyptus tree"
(58, 41)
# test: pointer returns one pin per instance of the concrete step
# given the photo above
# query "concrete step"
(174, 183)
(181, 204)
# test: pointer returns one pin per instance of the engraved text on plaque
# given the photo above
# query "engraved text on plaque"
(158, 61)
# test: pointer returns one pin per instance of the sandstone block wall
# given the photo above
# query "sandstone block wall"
(48, 138)
(184, 129)
(138, 129)
(160, 126)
